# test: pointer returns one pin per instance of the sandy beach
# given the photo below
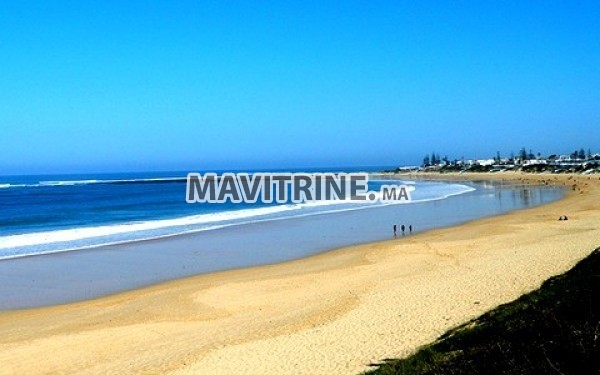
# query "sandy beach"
(331, 313)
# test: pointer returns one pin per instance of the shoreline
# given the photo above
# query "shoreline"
(337, 310)
(167, 236)
(61, 278)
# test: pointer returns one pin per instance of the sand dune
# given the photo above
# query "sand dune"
(331, 313)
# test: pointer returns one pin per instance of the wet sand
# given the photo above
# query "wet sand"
(331, 313)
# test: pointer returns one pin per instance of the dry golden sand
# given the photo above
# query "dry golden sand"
(332, 313)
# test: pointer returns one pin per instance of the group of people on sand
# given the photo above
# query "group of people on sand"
(403, 229)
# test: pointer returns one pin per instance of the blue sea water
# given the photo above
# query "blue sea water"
(47, 214)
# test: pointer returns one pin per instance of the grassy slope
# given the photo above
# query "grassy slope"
(553, 330)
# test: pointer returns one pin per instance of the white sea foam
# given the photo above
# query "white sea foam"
(91, 182)
(73, 234)
(6, 186)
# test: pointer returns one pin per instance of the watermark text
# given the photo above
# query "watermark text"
(289, 188)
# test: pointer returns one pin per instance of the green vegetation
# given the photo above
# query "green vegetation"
(553, 330)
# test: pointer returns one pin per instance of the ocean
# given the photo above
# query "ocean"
(49, 214)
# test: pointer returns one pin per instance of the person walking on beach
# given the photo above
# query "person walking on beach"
(410, 229)
(395, 229)
(403, 228)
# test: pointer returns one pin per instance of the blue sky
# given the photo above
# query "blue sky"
(89, 86)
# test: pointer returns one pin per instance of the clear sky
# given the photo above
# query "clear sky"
(88, 86)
